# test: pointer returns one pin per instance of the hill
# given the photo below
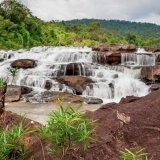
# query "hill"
(19, 28)
(123, 27)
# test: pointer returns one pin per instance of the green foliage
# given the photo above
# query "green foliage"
(13, 72)
(137, 155)
(122, 27)
(12, 142)
(20, 29)
(3, 82)
(65, 128)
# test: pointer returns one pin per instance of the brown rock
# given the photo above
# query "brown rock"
(78, 83)
(158, 58)
(131, 125)
(128, 99)
(93, 100)
(1, 59)
(52, 96)
(14, 93)
(152, 49)
(109, 57)
(25, 90)
(23, 63)
(48, 85)
(157, 73)
(102, 47)
(150, 73)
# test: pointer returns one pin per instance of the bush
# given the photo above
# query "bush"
(65, 128)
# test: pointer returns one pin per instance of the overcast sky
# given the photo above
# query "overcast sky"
(132, 10)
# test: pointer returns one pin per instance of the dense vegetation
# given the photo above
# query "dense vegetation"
(19, 28)
(123, 27)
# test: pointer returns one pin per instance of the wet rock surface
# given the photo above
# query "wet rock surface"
(111, 53)
(52, 96)
(24, 63)
(14, 92)
(78, 83)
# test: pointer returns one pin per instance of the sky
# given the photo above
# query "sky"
(130, 10)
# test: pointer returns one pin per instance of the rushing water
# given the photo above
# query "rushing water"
(111, 82)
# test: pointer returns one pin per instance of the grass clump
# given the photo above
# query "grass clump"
(3, 82)
(65, 128)
(13, 145)
(137, 155)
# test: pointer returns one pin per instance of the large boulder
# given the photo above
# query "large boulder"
(150, 73)
(152, 49)
(78, 83)
(103, 47)
(14, 93)
(24, 63)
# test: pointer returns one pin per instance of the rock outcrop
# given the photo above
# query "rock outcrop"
(152, 49)
(24, 63)
(111, 53)
(103, 47)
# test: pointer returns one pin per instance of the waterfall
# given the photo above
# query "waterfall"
(139, 58)
(111, 82)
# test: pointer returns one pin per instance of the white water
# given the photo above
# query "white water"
(111, 82)
(139, 58)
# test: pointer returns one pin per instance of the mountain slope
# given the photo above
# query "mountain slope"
(123, 27)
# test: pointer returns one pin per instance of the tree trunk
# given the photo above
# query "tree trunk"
(2, 105)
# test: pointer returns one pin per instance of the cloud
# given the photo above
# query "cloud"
(132, 10)
(152, 18)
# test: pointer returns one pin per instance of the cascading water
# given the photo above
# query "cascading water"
(111, 82)
(140, 58)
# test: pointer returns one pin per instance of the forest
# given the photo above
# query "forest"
(19, 28)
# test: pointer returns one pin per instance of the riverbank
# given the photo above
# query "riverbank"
(38, 111)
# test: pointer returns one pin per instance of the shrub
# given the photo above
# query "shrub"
(65, 128)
